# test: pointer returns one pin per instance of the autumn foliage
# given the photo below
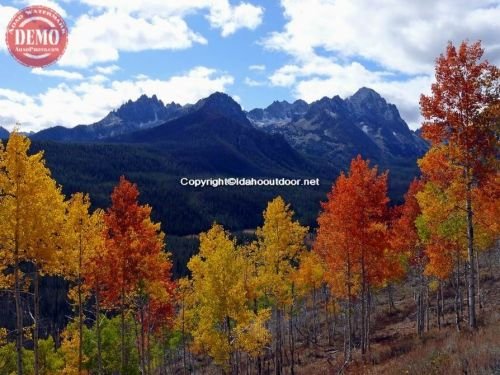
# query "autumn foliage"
(138, 277)
(461, 123)
(352, 236)
(263, 301)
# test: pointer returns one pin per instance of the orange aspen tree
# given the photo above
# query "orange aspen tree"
(457, 117)
(134, 254)
(352, 240)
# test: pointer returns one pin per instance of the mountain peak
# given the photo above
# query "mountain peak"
(366, 93)
(144, 98)
(325, 104)
(142, 110)
(220, 103)
(368, 102)
(141, 100)
(300, 102)
(281, 111)
(219, 98)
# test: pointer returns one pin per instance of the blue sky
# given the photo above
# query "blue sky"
(257, 51)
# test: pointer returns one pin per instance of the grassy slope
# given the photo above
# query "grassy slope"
(396, 348)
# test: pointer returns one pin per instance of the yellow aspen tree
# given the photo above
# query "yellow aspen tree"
(184, 298)
(442, 223)
(309, 278)
(70, 350)
(280, 241)
(5, 256)
(31, 207)
(222, 321)
(46, 246)
(83, 238)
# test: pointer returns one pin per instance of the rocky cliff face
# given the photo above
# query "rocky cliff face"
(336, 129)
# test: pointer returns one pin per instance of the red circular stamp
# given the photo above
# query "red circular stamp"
(36, 36)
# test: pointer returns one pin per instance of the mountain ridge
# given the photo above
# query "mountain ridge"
(216, 136)
(149, 112)
(143, 113)
(363, 123)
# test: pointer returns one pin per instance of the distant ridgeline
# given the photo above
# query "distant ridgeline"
(154, 145)
(3, 133)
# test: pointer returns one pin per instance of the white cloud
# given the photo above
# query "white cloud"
(58, 73)
(229, 19)
(403, 36)
(98, 78)
(83, 103)
(15, 97)
(338, 46)
(98, 39)
(116, 26)
(48, 3)
(107, 70)
(141, 77)
(6, 13)
(221, 14)
(257, 67)
(253, 83)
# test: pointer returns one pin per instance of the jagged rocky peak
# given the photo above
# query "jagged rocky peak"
(256, 114)
(142, 113)
(366, 93)
(300, 106)
(144, 109)
(338, 127)
(219, 100)
(222, 104)
(281, 111)
(326, 104)
(367, 101)
(143, 100)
